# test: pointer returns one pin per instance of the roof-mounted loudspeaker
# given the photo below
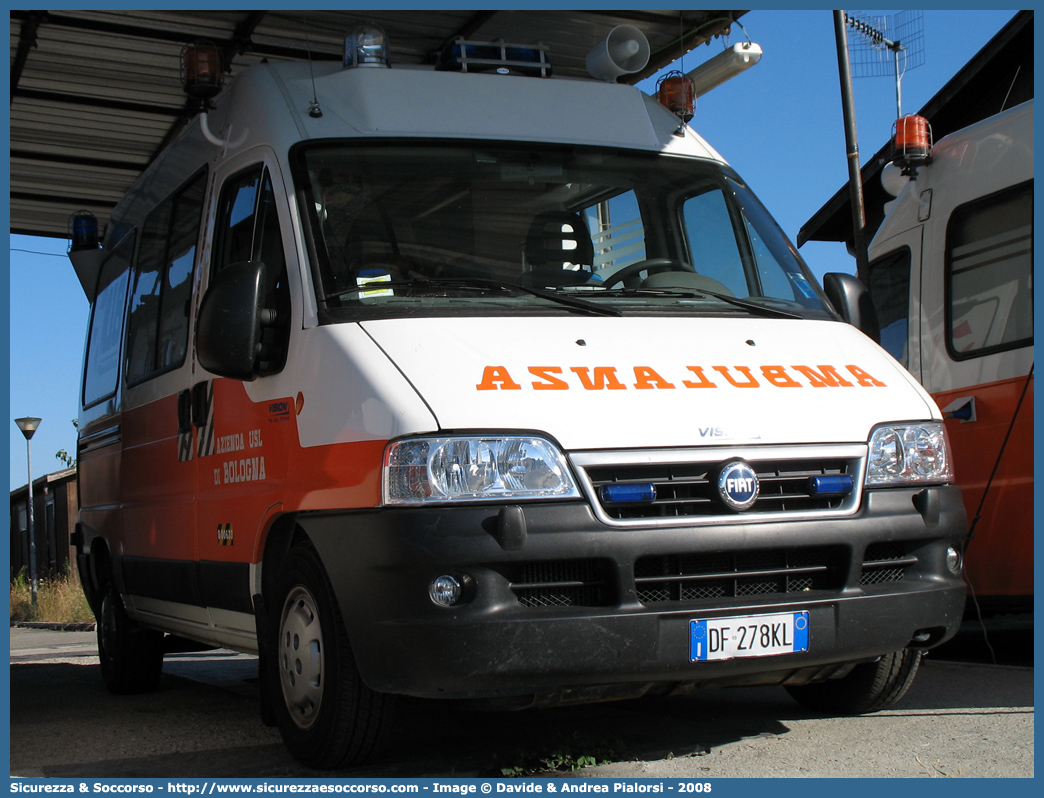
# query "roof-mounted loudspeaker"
(624, 51)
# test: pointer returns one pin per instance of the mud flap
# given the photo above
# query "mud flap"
(267, 688)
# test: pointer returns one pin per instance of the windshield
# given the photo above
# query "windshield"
(417, 228)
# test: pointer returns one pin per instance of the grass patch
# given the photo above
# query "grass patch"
(58, 600)
(560, 754)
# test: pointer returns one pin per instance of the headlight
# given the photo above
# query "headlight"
(902, 454)
(492, 468)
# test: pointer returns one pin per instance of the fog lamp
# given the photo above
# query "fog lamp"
(953, 560)
(446, 590)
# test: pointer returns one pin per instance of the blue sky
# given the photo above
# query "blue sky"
(779, 124)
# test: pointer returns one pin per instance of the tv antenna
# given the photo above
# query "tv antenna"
(886, 46)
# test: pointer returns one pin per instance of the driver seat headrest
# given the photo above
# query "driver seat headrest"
(548, 236)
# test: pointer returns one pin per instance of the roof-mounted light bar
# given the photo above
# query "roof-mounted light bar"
(497, 56)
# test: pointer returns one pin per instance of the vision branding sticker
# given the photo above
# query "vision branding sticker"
(279, 411)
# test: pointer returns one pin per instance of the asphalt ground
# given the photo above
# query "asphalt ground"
(963, 717)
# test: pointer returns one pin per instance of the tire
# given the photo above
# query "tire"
(326, 715)
(131, 657)
(869, 687)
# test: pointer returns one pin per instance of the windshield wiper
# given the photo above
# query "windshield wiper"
(686, 293)
(765, 310)
(570, 301)
(477, 284)
(754, 307)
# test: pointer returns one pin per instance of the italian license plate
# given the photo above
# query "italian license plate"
(748, 636)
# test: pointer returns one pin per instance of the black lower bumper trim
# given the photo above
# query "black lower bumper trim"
(603, 637)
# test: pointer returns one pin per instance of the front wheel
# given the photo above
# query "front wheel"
(326, 715)
(869, 687)
(131, 657)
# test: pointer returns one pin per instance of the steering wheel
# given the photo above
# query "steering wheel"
(651, 265)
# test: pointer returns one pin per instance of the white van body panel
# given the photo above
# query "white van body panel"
(660, 400)
(390, 102)
(222, 628)
(973, 162)
(411, 103)
(977, 161)
(363, 396)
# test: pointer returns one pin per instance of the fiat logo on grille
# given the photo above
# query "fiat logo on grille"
(738, 485)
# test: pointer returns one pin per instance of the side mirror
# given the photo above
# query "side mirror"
(228, 330)
(851, 300)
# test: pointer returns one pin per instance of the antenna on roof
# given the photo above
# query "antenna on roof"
(314, 110)
(886, 46)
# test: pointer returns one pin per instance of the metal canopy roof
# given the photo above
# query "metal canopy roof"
(96, 95)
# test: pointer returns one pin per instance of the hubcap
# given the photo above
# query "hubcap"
(301, 657)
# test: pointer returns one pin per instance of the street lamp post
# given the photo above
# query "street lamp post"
(28, 426)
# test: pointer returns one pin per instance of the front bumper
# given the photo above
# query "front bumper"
(566, 608)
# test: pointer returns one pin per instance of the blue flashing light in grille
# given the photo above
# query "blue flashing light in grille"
(831, 485)
(621, 493)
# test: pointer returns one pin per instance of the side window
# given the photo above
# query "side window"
(248, 230)
(157, 329)
(890, 292)
(236, 220)
(102, 367)
(989, 274)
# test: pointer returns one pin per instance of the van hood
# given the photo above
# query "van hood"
(610, 383)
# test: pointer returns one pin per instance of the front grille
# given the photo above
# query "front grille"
(567, 583)
(697, 577)
(885, 562)
(689, 490)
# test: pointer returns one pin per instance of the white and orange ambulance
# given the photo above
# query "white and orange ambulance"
(473, 381)
(951, 277)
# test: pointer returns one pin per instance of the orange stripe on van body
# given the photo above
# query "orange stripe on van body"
(98, 486)
(215, 507)
(157, 491)
(259, 470)
(1000, 557)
